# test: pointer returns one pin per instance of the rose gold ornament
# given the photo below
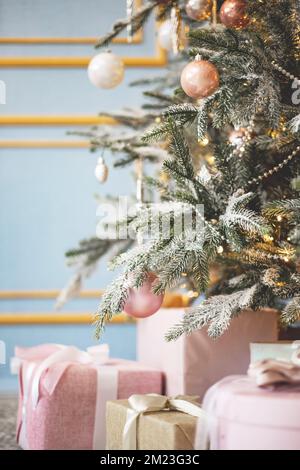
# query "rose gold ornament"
(233, 14)
(199, 10)
(142, 302)
(200, 79)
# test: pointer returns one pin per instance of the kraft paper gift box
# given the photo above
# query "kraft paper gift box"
(242, 416)
(281, 350)
(63, 394)
(152, 422)
(194, 362)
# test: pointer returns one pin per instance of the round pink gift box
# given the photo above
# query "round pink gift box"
(242, 416)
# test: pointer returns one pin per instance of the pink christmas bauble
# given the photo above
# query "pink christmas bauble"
(200, 79)
(233, 14)
(142, 302)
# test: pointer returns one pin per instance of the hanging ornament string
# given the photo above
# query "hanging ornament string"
(214, 14)
(139, 167)
(275, 168)
(176, 28)
(285, 72)
(129, 11)
(139, 181)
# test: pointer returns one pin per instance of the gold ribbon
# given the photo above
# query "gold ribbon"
(152, 403)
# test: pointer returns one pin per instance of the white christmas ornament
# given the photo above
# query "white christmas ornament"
(101, 170)
(106, 70)
(166, 33)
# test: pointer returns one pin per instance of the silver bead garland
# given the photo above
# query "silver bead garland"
(275, 168)
(285, 72)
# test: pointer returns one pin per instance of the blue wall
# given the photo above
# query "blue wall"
(47, 200)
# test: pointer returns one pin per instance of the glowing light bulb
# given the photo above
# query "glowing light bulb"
(268, 238)
(204, 142)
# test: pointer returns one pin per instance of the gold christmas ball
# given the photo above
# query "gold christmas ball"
(199, 10)
(233, 14)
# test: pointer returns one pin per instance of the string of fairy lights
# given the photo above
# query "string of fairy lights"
(129, 12)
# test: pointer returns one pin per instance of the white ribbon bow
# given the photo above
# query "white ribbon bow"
(152, 403)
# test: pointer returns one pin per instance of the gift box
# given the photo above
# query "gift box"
(281, 350)
(242, 416)
(152, 423)
(63, 394)
(195, 362)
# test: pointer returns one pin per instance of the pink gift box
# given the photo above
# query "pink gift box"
(195, 362)
(242, 416)
(63, 406)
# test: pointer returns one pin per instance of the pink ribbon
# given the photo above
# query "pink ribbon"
(272, 372)
(34, 362)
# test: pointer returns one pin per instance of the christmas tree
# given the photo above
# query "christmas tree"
(240, 87)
